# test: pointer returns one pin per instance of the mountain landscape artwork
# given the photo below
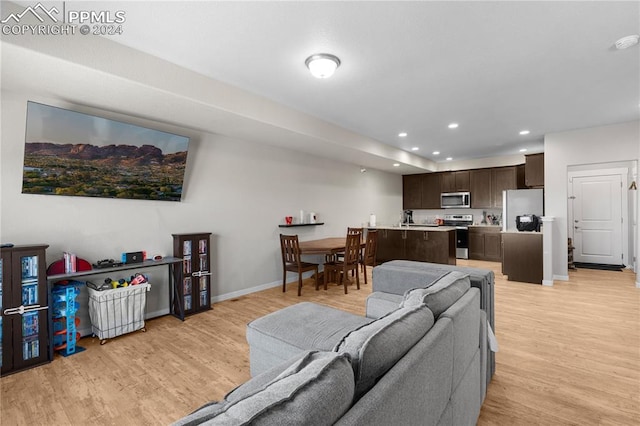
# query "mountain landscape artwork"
(75, 154)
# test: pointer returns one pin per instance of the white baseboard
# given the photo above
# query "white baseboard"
(245, 291)
(158, 313)
(547, 283)
(85, 331)
(561, 277)
(637, 284)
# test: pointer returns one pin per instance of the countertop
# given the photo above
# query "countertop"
(486, 225)
(416, 227)
(514, 231)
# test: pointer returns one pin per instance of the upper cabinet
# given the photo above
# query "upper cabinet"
(485, 185)
(421, 191)
(431, 190)
(455, 181)
(504, 178)
(412, 192)
(534, 170)
(481, 188)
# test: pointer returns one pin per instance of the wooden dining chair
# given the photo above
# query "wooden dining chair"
(291, 261)
(350, 230)
(355, 231)
(349, 262)
(369, 256)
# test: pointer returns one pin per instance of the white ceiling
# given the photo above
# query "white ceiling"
(493, 67)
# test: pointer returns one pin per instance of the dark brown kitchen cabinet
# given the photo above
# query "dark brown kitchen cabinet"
(487, 185)
(412, 192)
(534, 170)
(522, 256)
(431, 246)
(504, 178)
(390, 245)
(493, 246)
(480, 184)
(418, 245)
(485, 243)
(431, 191)
(194, 283)
(24, 309)
(455, 181)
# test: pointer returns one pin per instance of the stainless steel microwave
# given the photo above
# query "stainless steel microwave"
(455, 200)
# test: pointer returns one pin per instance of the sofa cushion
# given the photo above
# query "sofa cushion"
(280, 335)
(375, 347)
(440, 295)
(316, 389)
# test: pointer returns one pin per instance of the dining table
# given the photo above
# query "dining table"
(329, 247)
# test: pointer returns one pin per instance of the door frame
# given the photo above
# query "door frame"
(623, 172)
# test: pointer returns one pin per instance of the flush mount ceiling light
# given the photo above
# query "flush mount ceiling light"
(627, 42)
(402, 134)
(524, 132)
(453, 126)
(523, 150)
(415, 148)
(322, 65)
(436, 152)
(396, 164)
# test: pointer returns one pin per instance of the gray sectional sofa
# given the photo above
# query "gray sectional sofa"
(392, 279)
(419, 363)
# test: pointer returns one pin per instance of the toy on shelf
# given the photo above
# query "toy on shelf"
(65, 321)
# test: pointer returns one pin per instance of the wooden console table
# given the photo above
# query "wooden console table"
(170, 262)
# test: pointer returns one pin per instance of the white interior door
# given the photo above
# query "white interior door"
(597, 219)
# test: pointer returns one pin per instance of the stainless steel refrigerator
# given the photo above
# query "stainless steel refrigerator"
(518, 202)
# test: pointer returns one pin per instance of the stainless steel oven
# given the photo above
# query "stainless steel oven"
(461, 223)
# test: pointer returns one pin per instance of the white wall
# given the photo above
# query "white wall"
(238, 190)
(606, 144)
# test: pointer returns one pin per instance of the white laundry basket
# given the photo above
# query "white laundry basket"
(117, 311)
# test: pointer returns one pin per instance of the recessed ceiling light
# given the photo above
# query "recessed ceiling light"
(402, 134)
(627, 42)
(322, 65)
(523, 150)
(449, 158)
(453, 125)
(436, 152)
(415, 148)
(524, 132)
(396, 164)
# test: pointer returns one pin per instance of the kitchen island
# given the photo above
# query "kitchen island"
(434, 244)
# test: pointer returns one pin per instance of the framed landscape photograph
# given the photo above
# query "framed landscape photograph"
(76, 154)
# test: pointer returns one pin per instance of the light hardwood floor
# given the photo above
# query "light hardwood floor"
(569, 354)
